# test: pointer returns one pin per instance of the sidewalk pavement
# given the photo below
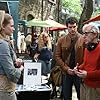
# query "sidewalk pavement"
(74, 96)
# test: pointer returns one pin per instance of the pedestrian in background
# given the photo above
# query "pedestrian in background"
(21, 44)
(89, 70)
(9, 75)
(45, 52)
(69, 51)
(34, 47)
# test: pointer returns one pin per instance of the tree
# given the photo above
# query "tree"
(74, 7)
(86, 13)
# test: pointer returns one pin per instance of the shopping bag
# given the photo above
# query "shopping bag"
(56, 75)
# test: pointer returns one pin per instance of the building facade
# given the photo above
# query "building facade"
(39, 9)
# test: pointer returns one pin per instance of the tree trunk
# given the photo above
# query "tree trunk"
(86, 13)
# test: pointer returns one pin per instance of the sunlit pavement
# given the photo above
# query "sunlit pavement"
(74, 97)
(74, 94)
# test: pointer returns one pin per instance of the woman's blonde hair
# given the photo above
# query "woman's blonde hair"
(4, 20)
(41, 41)
(2, 14)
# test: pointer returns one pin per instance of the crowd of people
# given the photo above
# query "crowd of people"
(78, 55)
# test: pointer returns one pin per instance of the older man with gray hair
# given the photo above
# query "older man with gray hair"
(89, 70)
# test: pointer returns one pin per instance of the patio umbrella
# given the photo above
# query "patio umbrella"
(57, 28)
(38, 23)
(96, 18)
(55, 25)
(46, 23)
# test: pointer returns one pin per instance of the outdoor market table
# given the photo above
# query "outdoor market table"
(33, 93)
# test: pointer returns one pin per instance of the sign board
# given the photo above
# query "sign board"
(32, 74)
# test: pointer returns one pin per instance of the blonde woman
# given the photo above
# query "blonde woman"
(45, 49)
(44, 39)
(9, 75)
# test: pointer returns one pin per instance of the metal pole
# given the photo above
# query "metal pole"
(42, 14)
(58, 9)
(42, 10)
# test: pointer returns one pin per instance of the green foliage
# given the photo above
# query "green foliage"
(96, 11)
(73, 6)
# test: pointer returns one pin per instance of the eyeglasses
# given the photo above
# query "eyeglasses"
(86, 33)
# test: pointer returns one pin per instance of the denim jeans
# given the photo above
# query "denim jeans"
(46, 67)
(67, 84)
